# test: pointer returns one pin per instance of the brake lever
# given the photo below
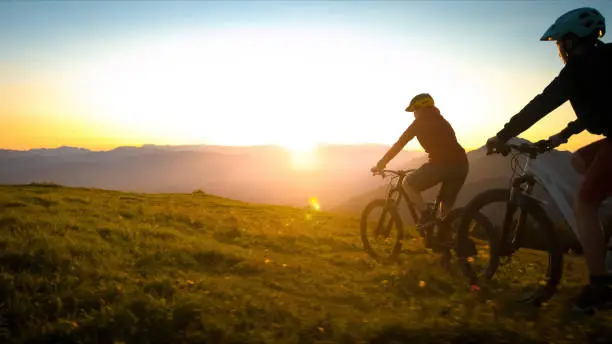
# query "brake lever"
(496, 149)
(505, 151)
(380, 173)
(543, 146)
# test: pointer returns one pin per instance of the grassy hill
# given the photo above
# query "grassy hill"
(95, 266)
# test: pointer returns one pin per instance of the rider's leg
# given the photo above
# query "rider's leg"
(596, 162)
(591, 236)
(455, 178)
(415, 197)
(420, 180)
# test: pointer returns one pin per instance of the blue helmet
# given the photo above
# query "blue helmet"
(582, 22)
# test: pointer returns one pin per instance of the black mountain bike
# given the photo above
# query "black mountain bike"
(525, 227)
(383, 215)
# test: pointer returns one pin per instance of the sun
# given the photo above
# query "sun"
(303, 154)
(300, 146)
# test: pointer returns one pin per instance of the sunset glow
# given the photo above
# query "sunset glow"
(303, 154)
(277, 80)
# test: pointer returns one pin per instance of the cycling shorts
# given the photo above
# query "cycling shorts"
(597, 182)
(452, 177)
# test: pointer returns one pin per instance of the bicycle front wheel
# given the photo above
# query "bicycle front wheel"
(478, 225)
(531, 250)
(381, 231)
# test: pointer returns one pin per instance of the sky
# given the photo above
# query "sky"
(105, 74)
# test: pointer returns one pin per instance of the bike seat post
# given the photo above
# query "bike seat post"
(436, 205)
(609, 256)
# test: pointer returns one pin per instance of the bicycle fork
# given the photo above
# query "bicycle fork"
(382, 227)
(511, 229)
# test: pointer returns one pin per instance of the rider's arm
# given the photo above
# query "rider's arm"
(572, 128)
(555, 94)
(408, 135)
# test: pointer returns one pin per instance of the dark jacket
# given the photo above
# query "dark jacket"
(437, 138)
(586, 81)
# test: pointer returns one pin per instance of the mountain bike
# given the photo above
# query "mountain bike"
(525, 226)
(384, 214)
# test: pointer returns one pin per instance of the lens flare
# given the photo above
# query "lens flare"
(314, 203)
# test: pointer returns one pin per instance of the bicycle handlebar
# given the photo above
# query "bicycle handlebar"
(395, 172)
(532, 149)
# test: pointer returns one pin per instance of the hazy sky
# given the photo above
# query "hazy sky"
(101, 74)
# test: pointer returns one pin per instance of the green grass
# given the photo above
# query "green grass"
(96, 266)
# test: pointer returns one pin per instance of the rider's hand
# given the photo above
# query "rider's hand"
(556, 140)
(379, 167)
(492, 144)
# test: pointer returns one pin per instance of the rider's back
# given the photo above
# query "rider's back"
(589, 82)
(586, 81)
(438, 139)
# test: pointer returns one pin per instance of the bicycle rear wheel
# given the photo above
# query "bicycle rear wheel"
(383, 244)
(533, 242)
(478, 225)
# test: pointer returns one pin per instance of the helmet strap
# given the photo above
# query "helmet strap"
(564, 48)
(571, 46)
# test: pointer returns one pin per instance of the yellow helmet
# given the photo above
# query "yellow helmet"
(420, 101)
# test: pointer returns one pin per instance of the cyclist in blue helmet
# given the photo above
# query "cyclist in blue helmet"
(586, 81)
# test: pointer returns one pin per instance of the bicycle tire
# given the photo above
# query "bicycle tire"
(395, 217)
(451, 223)
(546, 226)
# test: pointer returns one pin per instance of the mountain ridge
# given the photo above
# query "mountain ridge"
(262, 174)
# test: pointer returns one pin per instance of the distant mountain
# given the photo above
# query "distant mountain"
(261, 174)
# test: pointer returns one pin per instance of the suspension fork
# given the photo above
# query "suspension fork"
(391, 200)
(385, 228)
(511, 235)
(522, 219)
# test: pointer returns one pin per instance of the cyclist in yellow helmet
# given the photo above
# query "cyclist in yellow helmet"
(448, 163)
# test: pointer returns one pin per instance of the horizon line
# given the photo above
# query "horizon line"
(144, 145)
(194, 145)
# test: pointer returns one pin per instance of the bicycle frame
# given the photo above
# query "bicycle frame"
(398, 189)
(536, 172)
(520, 194)
(548, 178)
